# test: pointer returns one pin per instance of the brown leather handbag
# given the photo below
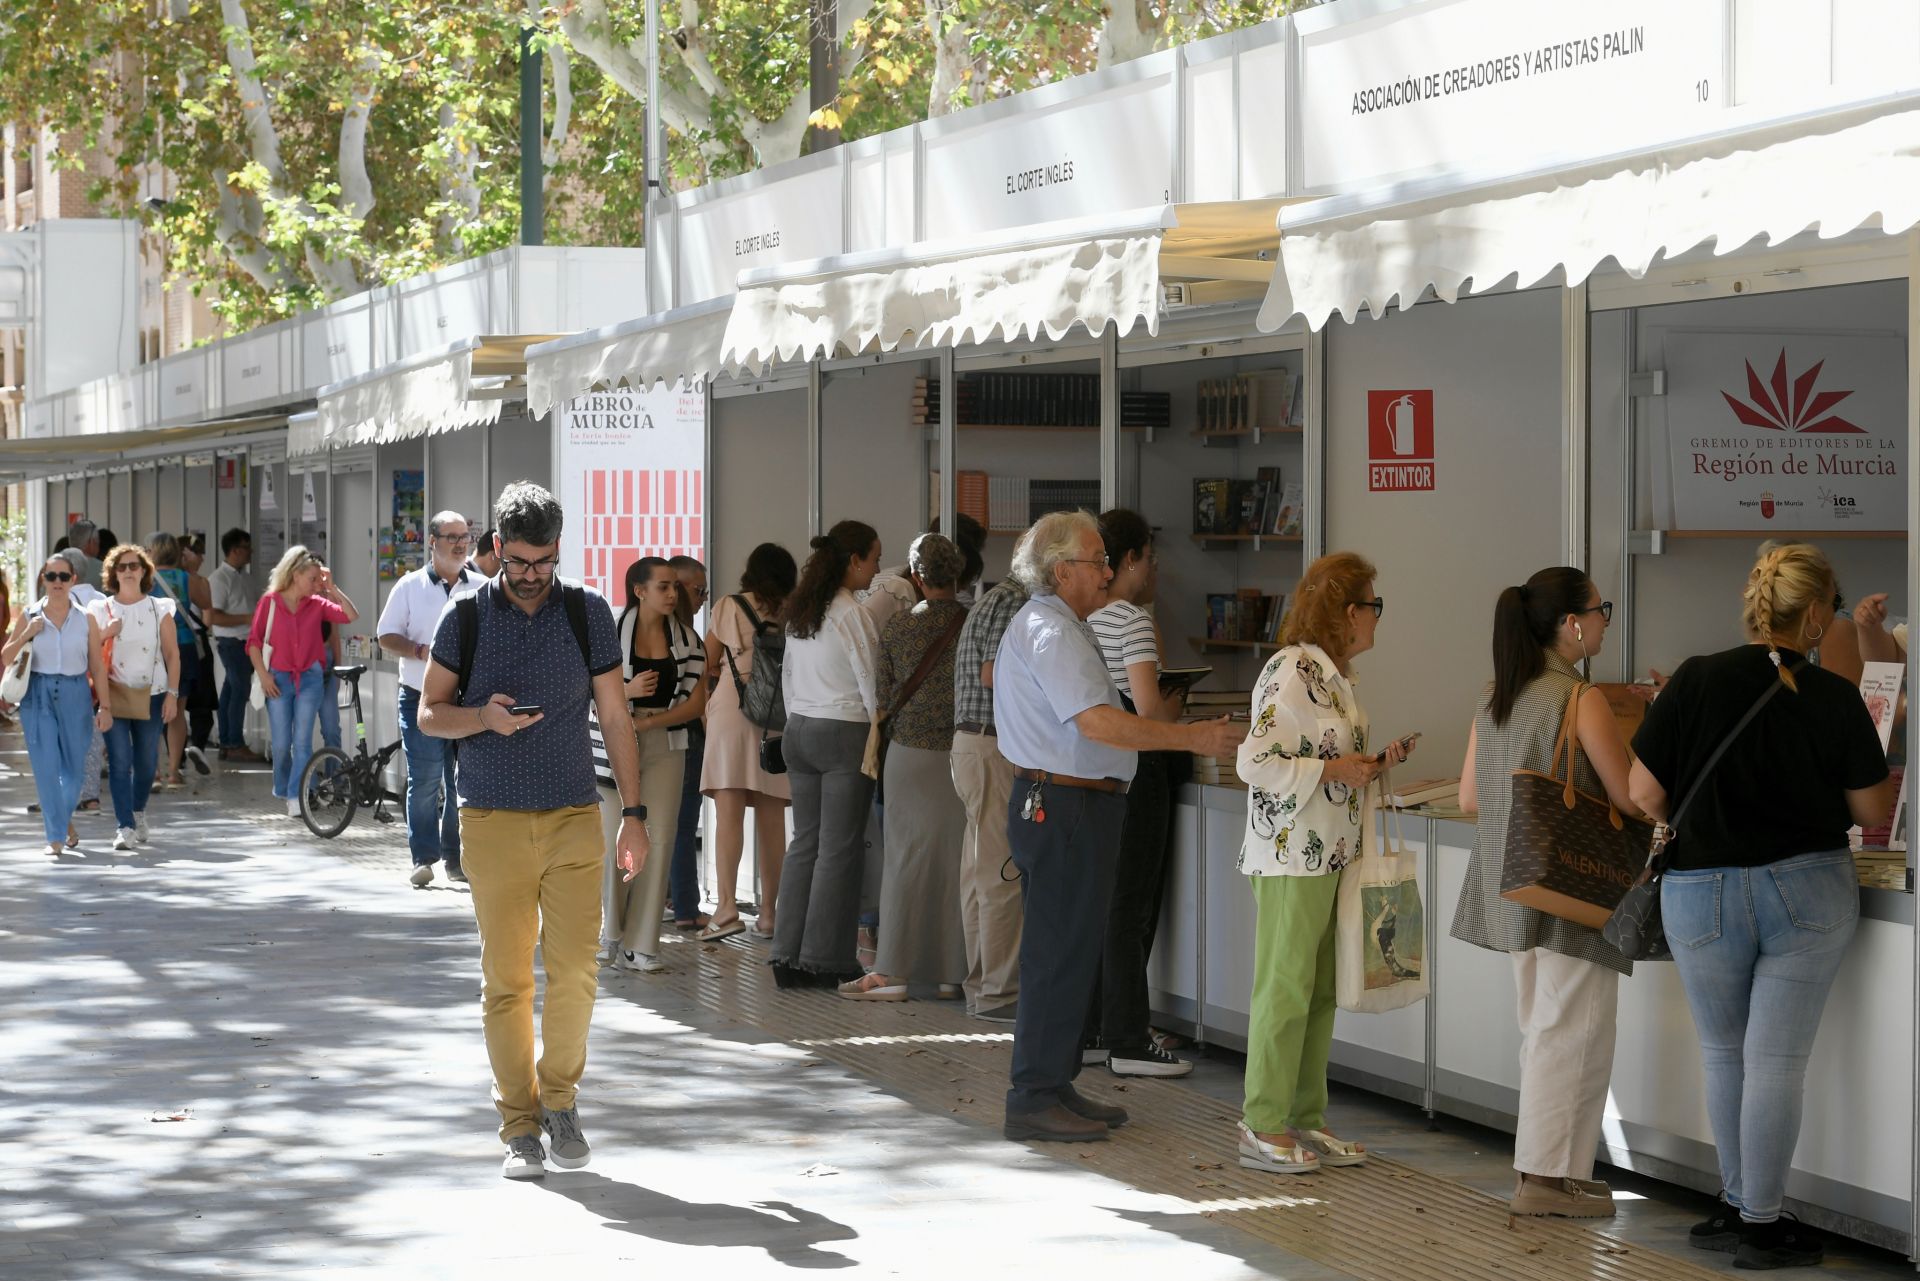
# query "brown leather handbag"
(1569, 854)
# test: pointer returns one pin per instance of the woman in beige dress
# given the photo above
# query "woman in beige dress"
(730, 772)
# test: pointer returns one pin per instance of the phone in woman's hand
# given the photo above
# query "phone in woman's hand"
(1406, 745)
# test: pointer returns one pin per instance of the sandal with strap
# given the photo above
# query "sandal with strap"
(1258, 1154)
(1330, 1150)
(718, 930)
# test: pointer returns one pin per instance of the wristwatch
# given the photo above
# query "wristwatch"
(635, 811)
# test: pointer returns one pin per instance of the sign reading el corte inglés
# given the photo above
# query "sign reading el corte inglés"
(1467, 85)
(1399, 440)
(631, 465)
(1788, 431)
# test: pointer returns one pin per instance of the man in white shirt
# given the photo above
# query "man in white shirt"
(234, 594)
(406, 630)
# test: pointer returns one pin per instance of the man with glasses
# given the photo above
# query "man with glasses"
(406, 631)
(234, 594)
(530, 811)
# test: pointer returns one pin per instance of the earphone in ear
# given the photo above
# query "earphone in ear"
(1579, 635)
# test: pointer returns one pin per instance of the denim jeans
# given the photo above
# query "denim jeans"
(235, 690)
(683, 876)
(133, 756)
(329, 713)
(291, 717)
(57, 715)
(433, 818)
(1758, 949)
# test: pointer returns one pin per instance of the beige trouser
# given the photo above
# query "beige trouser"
(632, 908)
(534, 876)
(990, 909)
(1566, 1010)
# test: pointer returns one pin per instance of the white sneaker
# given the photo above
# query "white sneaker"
(141, 834)
(293, 807)
(422, 876)
(198, 759)
(123, 839)
(638, 962)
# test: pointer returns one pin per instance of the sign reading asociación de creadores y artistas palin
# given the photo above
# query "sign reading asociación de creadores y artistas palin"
(1787, 431)
(631, 466)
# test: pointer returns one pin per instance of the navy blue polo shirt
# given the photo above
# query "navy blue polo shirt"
(534, 658)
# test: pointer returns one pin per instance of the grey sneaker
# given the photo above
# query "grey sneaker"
(637, 962)
(421, 876)
(526, 1159)
(455, 874)
(570, 1150)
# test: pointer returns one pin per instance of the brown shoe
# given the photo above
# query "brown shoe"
(1053, 1125)
(1080, 1105)
(1563, 1198)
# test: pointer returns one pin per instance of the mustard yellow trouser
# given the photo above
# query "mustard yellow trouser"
(535, 876)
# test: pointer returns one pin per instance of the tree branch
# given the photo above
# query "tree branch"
(356, 186)
(590, 31)
(1129, 32)
(562, 105)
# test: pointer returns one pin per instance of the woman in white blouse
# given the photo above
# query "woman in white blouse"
(827, 679)
(1308, 765)
(144, 661)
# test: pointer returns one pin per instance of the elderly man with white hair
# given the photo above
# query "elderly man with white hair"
(1073, 747)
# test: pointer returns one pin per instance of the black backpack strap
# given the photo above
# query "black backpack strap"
(759, 624)
(574, 597)
(466, 612)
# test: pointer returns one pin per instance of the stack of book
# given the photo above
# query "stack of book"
(1245, 615)
(1045, 496)
(1008, 505)
(1269, 400)
(1209, 704)
(970, 494)
(1036, 400)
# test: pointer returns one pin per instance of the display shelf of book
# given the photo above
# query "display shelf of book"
(1225, 437)
(1207, 645)
(1256, 541)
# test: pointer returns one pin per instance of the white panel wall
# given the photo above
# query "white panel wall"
(871, 455)
(171, 514)
(1492, 520)
(522, 450)
(456, 474)
(759, 470)
(200, 512)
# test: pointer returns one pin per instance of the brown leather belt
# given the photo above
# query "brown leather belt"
(974, 727)
(1114, 785)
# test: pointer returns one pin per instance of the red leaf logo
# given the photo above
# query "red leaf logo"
(1774, 406)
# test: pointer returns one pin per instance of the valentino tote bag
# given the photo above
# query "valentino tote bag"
(1380, 928)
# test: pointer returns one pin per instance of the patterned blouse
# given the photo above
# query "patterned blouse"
(1304, 713)
(927, 719)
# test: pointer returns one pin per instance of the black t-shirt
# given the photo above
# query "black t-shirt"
(1780, 789)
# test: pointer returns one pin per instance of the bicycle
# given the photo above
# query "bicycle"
(334, 785)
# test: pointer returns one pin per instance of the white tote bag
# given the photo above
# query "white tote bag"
(13, 687)
(258, 695)
(1380, 929)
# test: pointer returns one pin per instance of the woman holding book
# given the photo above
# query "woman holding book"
(1308, 764)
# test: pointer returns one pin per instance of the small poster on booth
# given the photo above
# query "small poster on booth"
(632, 477)
(1775, 430)
(1400, 447)
(1880, 688)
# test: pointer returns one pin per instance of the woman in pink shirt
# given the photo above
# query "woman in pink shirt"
(288, 654)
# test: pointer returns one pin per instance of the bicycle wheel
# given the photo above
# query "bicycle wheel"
(328, 796)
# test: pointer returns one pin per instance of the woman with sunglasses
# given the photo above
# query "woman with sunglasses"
(143, 671)
(1566, 976)
(58, 713)
(301, 595)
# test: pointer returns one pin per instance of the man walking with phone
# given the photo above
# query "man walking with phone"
(514, 669)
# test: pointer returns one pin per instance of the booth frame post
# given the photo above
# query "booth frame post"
(1575, 412)
(1109, 416)
(816, 501)
(948, 444)
(1429, 870)
(1313, 446)
(1913, 671)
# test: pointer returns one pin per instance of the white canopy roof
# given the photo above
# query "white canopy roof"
(1831, 172)
(1043, 279)
(464, 385)
(665, 348)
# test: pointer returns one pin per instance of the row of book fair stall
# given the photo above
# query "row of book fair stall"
(1548, 373)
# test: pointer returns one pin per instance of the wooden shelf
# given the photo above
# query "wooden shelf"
(1257, 540)
(935, 426)
(1216, 439)
(1205, 645)
(1790, 535)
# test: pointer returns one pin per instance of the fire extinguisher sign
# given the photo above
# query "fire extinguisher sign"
(1399, 440)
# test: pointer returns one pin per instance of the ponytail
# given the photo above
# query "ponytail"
(1525, 619)
(821, 578)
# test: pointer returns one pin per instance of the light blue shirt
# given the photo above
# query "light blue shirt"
(60, 651)
(1049, 670)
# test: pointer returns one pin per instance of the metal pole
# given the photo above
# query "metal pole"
(651, 159)
(816, 493)
(1109, 416)
(1575, 429)
(533, 218)
(948, 445)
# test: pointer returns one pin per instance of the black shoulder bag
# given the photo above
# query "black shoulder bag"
(1634, 929)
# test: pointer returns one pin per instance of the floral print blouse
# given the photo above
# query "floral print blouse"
(1304, 713)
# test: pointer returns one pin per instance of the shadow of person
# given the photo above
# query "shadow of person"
(789, 1234)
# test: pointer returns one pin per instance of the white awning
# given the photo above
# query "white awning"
(1832, 173)
(1047, 279)
(465, 385)
(665, 348)
(52, 455)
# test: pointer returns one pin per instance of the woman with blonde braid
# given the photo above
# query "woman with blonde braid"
(1761, 898)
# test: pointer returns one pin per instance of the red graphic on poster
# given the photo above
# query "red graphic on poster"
(1766, 504)
(1399, 440)
(1771, 408)
(226, 473)
(634, 513)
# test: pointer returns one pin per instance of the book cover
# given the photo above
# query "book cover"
(1288, 520)
(1210, 498)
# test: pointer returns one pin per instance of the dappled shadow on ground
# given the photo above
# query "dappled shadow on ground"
(786, 1232)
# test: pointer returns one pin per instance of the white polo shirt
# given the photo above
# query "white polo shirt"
(414, 608)
(233, 591)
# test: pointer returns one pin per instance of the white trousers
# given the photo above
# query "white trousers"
(1566, 1009)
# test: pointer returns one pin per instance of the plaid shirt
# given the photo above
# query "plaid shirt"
(979, 642)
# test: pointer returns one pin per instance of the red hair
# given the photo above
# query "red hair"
(1317, 614)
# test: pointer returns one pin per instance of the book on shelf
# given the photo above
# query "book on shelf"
(1243, 616)
(1008, 503)
(969, 494)
(1035, 400)
(1224, 506)
(1287, 516)
(1264, 522)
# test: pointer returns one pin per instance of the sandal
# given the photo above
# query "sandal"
(1258, 1154)
(1330, 1150)
(873, 987)
(73, 838)
(722, 930)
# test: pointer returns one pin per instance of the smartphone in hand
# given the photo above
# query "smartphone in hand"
(525, 709)
(1406, 743)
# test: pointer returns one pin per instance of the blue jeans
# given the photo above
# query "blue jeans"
(683, 874)
(291, 716)
(433, 815)
(235, 690)
(329, 712)
(57, 715)
(1758, 949)
(133, 755)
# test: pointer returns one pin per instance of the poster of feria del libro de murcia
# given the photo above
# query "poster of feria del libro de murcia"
(632, 470)
(1777, 430)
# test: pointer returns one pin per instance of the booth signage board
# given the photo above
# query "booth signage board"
(796, 219)
(1088, 156)
(309, 509)
(183, 387)
(632, 465)
(250, 369)
(1399, 440)
(1461, 85)
(1779, 430)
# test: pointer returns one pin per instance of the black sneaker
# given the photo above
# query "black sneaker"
(1719, 1232)
(198, 759)
(1147, 1060)
(1784, 1243)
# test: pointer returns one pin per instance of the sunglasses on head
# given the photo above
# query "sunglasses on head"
(56, 576)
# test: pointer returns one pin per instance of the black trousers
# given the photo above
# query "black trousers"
(1066, 880)
(1118, 1012)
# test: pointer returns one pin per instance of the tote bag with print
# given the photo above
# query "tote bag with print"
(1380, 927)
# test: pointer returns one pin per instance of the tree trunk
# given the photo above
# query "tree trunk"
(823, 68)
